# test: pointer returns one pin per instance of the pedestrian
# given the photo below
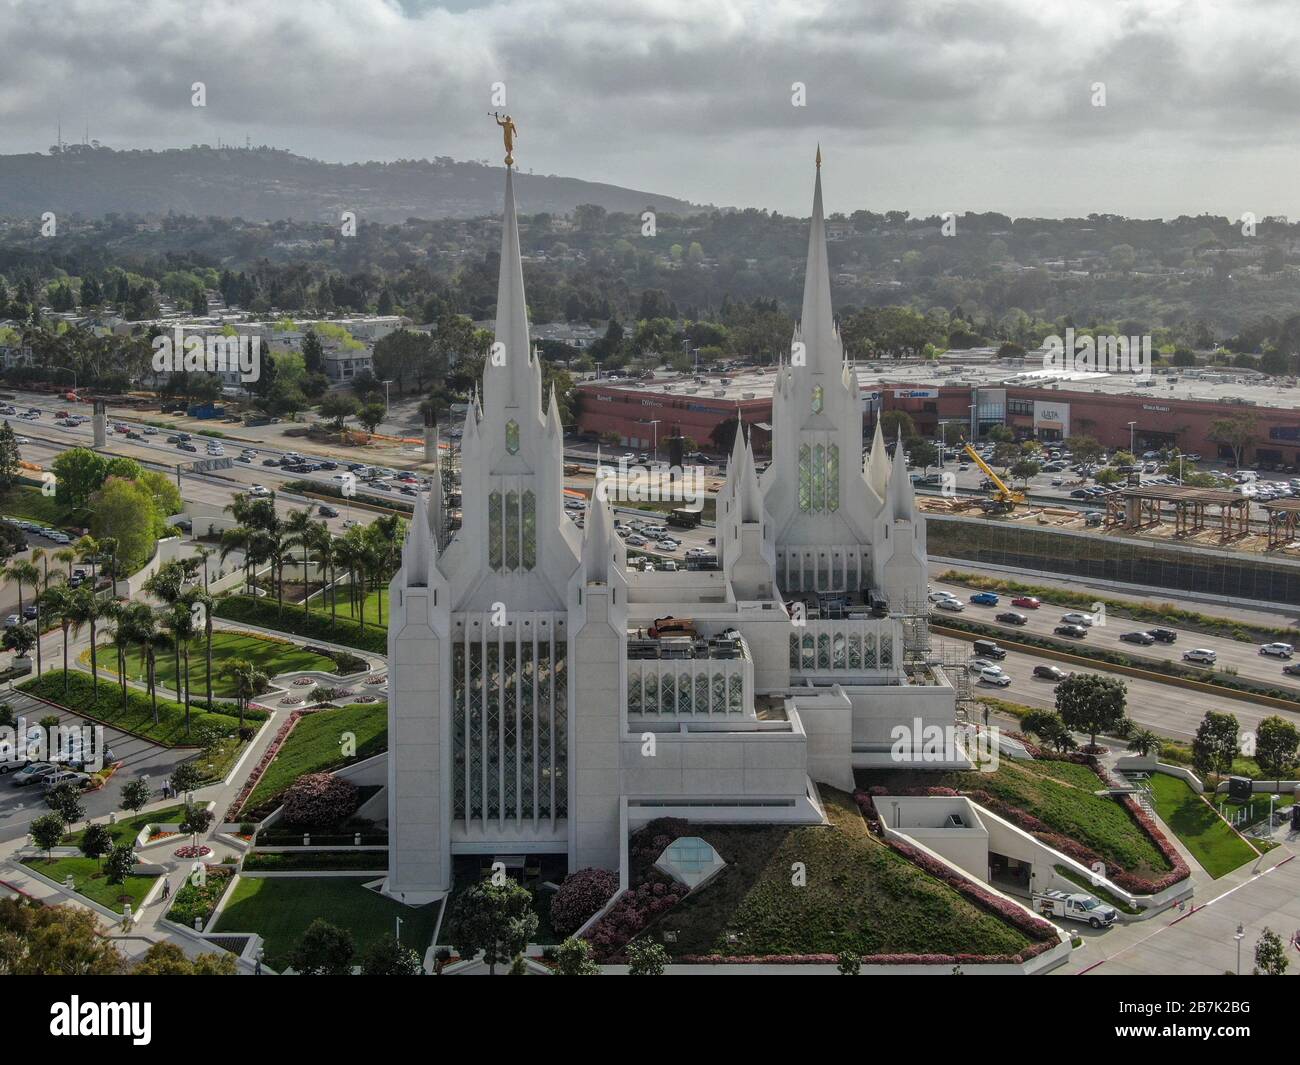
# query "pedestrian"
(167, 890)
(257, 967)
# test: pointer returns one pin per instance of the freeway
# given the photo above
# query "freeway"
(1241, 657)
(1166, 708)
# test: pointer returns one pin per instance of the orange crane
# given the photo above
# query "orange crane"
(1005, 498)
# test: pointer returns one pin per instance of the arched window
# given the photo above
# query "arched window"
(512, 437)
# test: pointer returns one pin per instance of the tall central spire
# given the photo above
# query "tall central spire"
(506, 374)
(817, 332)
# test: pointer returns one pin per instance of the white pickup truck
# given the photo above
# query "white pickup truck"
(1075, 907)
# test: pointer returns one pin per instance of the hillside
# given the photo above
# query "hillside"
(268, 184)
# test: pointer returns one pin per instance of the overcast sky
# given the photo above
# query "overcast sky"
(918, 104)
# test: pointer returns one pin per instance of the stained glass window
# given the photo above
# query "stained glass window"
(819, 478)
(818, 399)
(494, 530)
(833, 477)
(805, 477)
(530, 529)
(512, 437)
(512, 530)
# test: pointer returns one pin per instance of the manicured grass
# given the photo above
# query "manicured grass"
(1059, 794)
(137, 715)
(280, 909)
(89, 881)
(284, 861)
(25, 501)
(1212, 843)
(311, 624)
(126, 830)
(270, 656)
(345, 608)
(314, 745)
(860, 895)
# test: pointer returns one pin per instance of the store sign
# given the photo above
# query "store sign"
(1052, 416)
(1155, 407)
(916, 393)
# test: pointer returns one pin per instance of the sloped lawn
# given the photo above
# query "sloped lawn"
(88, 880)
(860, 895)
(126, 830)
(1212, 842)
(311, 624)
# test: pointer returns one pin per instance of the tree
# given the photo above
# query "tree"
(313, 352)
(46, 831)
(1215, 744)
(126, 511)
(1085, 449)
(197, 818)
(849, 963)
(38, 940)
(186, 777)
(1236, 431)
(1143, 742)
(96, 841)
(167, 959)
(338, 408)
(121, 860)
(573, 958)
(896, 423)
(371, 415)
(1024, 470)
(1270, 955)
(248, 681)
(65, 799)
(136, 795)
(646, 958)
(79, 473)
(923, 453)
(1091, 703)
(323, 950)
(1276, 741)
(9, 456)
(387, 957)
(496, 919)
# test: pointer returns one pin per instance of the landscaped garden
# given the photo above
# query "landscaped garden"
(125, 831)
(860, 896)
(315, 745)
(1202, 831)
(338, 601)
(138, 713)
(90, 880)
(281, 908)
(310, 624)
(269, 656)
(1054, 800)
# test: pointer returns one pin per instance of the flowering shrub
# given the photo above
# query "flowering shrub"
(319, 799)
(582, 894)
(268, 756)
(634, 909)
(201, 851)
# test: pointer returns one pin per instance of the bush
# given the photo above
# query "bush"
(580, 896)
(319, 799)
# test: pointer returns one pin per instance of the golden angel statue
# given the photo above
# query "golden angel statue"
(509, 132)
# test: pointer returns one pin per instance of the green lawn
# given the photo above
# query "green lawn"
(89, 881)
(281, 909)
(320, 603)
(860, 895)
(137, 715)
(270, 656)
(1212, 843)
(126, 830)
(314, 745)
(26, 501)
(311, 624)
(1058, 793)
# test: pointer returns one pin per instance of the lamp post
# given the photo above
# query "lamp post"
(1132, 433)
(1239, 935)
(386, 384)
(655, 423)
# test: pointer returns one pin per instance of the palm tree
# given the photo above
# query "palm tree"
(88, 548)
(123, 640)
(1143, 742)
(180, 623)
(67, 556)
(240, 539)
(148, 638)
(39, 555)
(204, 554)
(199, 597)
(166, 585)
(59, 602)
(327, 558)
(349, 553)
(248, 681)
(108, 544)
(22, 572)
(301, 533)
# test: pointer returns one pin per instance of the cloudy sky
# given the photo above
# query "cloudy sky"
(918, 104)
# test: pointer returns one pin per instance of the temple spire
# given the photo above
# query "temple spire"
(600, 547)
(877, 468)
(901, 497)
(505, 379)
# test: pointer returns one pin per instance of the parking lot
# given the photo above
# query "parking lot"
(19, 806)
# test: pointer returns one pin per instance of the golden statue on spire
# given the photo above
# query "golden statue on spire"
(508, 132)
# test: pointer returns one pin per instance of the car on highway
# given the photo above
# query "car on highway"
(668, 545)
(1010, 617)
(1145, 639)
(989, 649)
(985, 598)
(1292, 670)
(149, 430)
(327, 511)
(1029, 602)
(1075, 617)
(259, 490)
(186, 446)
(1075, 632)
(271, 462)
(954, 605)
(995, 677)
(1053, 673)
(173, 439)
(1163, 635)
(1277, 650)
(939, 596)
(976, 664)
(1200, 655)
(636, 541)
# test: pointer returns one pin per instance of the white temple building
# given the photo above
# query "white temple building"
(532, 709)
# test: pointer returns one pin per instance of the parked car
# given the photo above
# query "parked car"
(1055, 673)
(985, 598)
(1010, 617)
(1202, 655)
(1145, 639)
(1277, 650)
(66, 776)
(1029, 602)
(1075, 632)
(32, 773)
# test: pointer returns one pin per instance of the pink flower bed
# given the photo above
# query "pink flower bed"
(201, 851)
(273, 748)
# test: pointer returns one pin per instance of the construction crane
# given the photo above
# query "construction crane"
(1004, 498)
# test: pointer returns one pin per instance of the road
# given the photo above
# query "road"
(1243, 658)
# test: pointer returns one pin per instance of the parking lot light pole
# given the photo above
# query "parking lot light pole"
(1239, 935)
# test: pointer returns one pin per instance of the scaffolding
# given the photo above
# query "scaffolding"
(1148, 506)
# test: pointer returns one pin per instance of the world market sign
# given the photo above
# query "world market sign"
(1155, 407)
